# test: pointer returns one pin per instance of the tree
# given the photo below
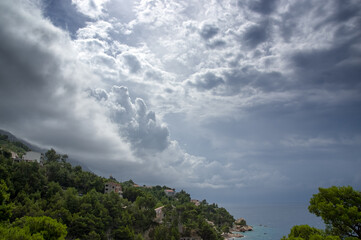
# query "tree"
(163, 232)
(305, 232)
(340, 209)
(183, 197)
(52, 156)
(5, 208)
(123, 233)
(46, 227)
(206, 231)
(131, 193)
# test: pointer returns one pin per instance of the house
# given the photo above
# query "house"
(196, 202)
(159, 214)
(113, 187)
(169, 192)
(33, 157)
(15, 156)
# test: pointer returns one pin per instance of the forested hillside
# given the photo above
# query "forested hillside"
(55, 200)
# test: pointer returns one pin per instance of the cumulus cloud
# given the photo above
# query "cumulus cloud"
(255, 35)
(42, 83)
(47, 97)
(133, 63)
(208, 31)
(65, 15)
(91, 8)
(263, 6)
(136, 123)
(206, 81)
(246, 85)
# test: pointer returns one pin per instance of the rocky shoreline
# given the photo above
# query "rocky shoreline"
(240, 225)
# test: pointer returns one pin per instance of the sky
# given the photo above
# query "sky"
(234, 101)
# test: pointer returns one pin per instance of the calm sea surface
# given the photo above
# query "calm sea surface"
(272, 222)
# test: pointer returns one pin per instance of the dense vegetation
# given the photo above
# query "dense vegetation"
(55, 200)
(340, 209)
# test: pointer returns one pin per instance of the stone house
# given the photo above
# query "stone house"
(159, 214)
(169, 192)
(196, 202)
(113, 187)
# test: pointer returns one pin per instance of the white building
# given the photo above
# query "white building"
(32, 157)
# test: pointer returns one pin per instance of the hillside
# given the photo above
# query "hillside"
(28, 145)
(55, 200)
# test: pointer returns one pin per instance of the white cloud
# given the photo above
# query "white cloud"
(91, 8)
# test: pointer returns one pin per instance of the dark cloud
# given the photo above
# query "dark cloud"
(291, 19)
(133, 63)
(345, 10)
(40, 96)
(208, 31)
(332, 68)
(64, 14)
(216, 44)
(234, 80)
(206, 81)
(263, 6)
(248, 76)
(28, 71)
(256, 35)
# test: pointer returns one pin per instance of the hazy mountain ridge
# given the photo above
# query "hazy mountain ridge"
(35, 148)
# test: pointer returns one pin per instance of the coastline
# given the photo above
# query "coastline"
(273, 221)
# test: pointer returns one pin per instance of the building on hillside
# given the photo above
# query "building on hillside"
(169, 192)
(159, 214)
(33, 157)
(15, 156)
(196, 202)
(113, 187)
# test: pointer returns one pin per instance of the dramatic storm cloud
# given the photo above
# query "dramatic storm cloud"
(247, 99)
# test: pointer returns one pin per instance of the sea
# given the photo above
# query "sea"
(273, 221)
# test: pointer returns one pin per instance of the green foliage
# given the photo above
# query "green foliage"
(162, 232)
(22, 145)
(33, 228)
(55, 200)
(132, 193)
(123, 233)
(183, 197)
(17, 147)
(47, 227)
(340, 208)
(5, 208)
(305, 232)
(207, 231)
(4, 137)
